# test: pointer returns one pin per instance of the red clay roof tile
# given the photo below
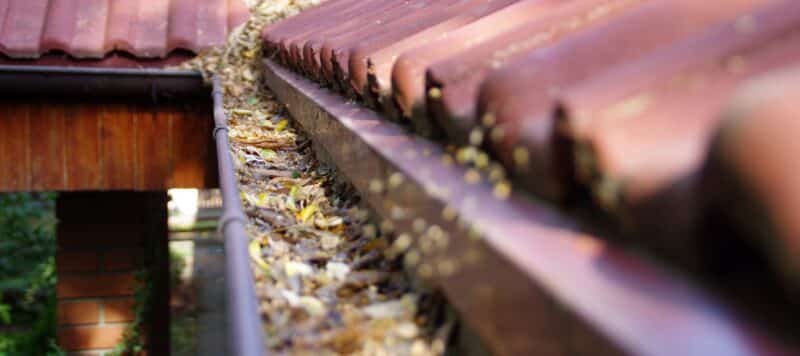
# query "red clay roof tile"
(754, 158)
(22, 27)
(580, 56)
(524, 91)
(459, 76)
(93, 28)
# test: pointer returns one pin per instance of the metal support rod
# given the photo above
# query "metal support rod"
(245, 331)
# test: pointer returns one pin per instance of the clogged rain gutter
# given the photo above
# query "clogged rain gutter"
(246, 335)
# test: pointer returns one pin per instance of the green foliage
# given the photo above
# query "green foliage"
(133, 340)
(5, 312)
(37, 338)
(177, 264)
(27, 246)
(27, 274)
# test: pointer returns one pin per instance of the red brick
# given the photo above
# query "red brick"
(76, 260)
(92, 337)
(116, 311)
(70, 313)
(103, 285)
(122, 259)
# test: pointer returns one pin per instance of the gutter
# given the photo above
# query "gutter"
(244, 321)
(126, 83)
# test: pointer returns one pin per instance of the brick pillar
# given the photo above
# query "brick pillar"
(104, 238)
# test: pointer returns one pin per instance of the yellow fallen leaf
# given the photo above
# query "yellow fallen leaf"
(312, 306)
(249, 198)
(262, 199)
(241, 112)
(307, 212)
(255, 253)
(281, 125)
(329, 222)
(338, 229)
(268, 154)
(248, 75)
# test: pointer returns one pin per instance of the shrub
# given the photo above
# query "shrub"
(27, 274)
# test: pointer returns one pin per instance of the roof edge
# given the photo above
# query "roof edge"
(88, 82)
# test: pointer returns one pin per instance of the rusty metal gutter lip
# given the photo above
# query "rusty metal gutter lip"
(244, 320)
(71, 82)
(137, 72)
(543, 283)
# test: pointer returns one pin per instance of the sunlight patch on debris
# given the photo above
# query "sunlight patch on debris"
(321, 276)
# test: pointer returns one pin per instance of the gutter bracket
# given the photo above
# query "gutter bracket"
(227, 218)
(219, 128)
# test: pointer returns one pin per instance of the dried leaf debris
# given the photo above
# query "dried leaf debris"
(321, 275)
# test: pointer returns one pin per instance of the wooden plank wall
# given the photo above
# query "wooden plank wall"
(105, 146)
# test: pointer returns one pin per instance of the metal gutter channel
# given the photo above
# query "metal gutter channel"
(100, 82)
(243, 317)
(527, 279)
(244, 321)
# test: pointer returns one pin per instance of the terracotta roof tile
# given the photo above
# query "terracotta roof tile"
(409, 88)
(754, 157)
(93, 28)
(600, 85)
(387, 46)
(523, 92)
(459, 76)
(22, 27)
(642, 138)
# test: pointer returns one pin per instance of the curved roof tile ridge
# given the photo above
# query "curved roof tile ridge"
(91, 29)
